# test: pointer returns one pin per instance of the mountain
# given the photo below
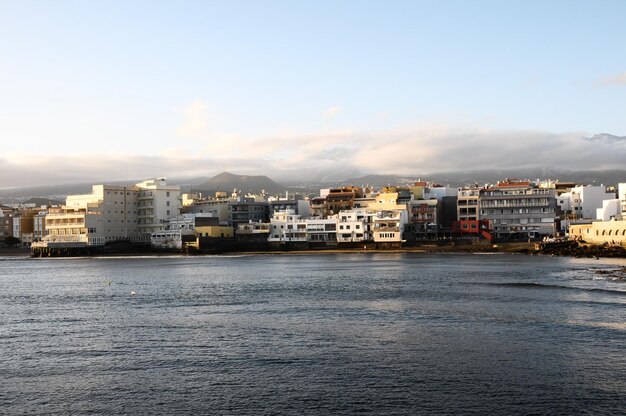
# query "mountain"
(38, 202)
(228, 182)
(460, 178)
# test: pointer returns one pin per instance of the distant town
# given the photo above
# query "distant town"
(154, 215)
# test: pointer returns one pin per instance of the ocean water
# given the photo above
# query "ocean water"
(364, 333)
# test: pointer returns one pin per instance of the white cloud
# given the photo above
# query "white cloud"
(426, 148)
(197, 120)
(332, 112)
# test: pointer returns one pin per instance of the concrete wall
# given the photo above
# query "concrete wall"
(600, 232)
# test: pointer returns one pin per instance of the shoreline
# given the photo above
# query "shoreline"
(590, 251)
(520, 248)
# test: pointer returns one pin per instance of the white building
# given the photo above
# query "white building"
(157, 203)
(621, 195)
(583, 201)
(358, 225)
(610, 210)
(321, 230)
(287, 226)
(389, 226)
(175, 228)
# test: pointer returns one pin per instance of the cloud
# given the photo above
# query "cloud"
(421, 149)
(606, 137)
(619, 80)
(332, 112)
(197, 120)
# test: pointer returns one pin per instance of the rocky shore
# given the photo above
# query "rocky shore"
(576, 249)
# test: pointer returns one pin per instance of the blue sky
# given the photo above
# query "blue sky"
(308, 88)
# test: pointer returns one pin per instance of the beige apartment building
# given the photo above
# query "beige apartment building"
(114, 212)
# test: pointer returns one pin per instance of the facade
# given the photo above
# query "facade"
(350, 227)
(157, 202)
(287, 226)
(424, 217)
(519, 210)
(297, 204)
(75, 225)
(112, 213)
(23, 226)
(581, 202)
(178, 230)
(467, 204)
(254, 231)
(423, 214)
(621, 195)
(109, 213)
(358, 217)
(321, 230)
(387, 201)
(245, 210)
(339, 199)
(610, 210)
(389, 226)
(439, 192)
(216, 207)
(600, 232)
(473, 228)
(214, 231)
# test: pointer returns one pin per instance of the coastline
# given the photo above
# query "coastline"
(586, 250)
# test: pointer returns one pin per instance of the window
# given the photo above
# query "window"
(167, 193)
(167, 203)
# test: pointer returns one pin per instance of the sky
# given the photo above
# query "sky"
(96, 91)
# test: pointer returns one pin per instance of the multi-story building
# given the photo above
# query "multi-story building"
(245, 210)
(424, 217)
(157, 202)
(322, 230)
(255, 231)
(113, 212)
(76, 225)
(339, 199)
(389, 226)
(467, 204)
(581, 202)
(519, 210)
(387, 201)
(296, 203)
(216, 207)
(423, 214)
(109, 213)
(351, 227)
(287, 226)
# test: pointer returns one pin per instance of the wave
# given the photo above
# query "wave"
(544, 286)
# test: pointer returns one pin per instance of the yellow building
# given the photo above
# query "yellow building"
(600, 232)
(214, 231)
(387, 201)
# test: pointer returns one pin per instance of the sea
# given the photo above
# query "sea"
(313, 334)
